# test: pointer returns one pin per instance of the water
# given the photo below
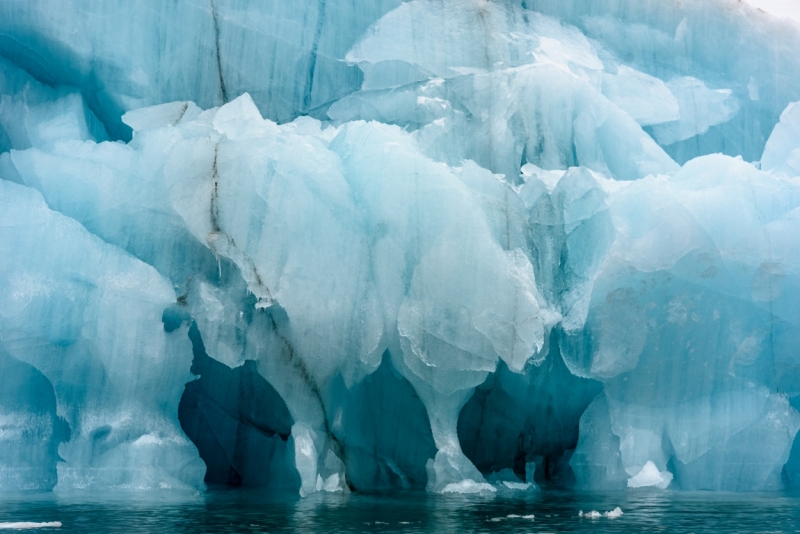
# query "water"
(249, 511)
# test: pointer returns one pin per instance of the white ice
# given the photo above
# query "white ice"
(650, 476)
(23, 525)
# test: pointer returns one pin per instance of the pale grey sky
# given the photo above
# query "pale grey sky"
(784, 8)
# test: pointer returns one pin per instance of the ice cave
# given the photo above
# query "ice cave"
(455, 246)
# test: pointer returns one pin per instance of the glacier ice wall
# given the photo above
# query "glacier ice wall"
(464, 246)
(123, 56)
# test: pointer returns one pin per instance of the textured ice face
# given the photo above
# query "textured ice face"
(34, 114)
(90, 324)
(123, 56)
(483, 270)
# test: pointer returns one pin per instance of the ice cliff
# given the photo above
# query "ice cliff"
(454, 245)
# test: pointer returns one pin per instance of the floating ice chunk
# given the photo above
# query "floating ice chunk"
(506, 474)
(469, 486)
(614, 514)
(594, 514)
(449, 468)
(700, 109)
(519, 486)
(650, 476)
(332, 484)
(638, 441)
(21, 525)
(506, 479)
(529, 516)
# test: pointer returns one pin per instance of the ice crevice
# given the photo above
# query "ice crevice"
(214, 16)
(507, 252)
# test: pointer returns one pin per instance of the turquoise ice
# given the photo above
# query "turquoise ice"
(460, 246)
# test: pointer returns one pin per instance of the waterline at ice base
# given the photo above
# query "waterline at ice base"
(454, 246)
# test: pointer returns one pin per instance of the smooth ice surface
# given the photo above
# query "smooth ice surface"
(335, 247)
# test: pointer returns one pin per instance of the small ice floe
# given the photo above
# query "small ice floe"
(506, 479)
(650, 476)
(594, 514)
(468, 486)
(331, 484)
(529, 516)
(512, 516)
(519, 486)
(19, 525)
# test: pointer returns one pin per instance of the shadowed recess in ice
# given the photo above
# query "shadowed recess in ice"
(385, 431)
(462, 246)
(238, 422)
(527, 422)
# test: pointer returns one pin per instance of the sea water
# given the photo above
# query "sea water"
(546, 511)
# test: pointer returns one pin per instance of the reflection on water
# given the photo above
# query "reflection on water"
(249, 511)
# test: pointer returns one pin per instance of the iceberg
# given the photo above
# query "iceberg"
(461, 247)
